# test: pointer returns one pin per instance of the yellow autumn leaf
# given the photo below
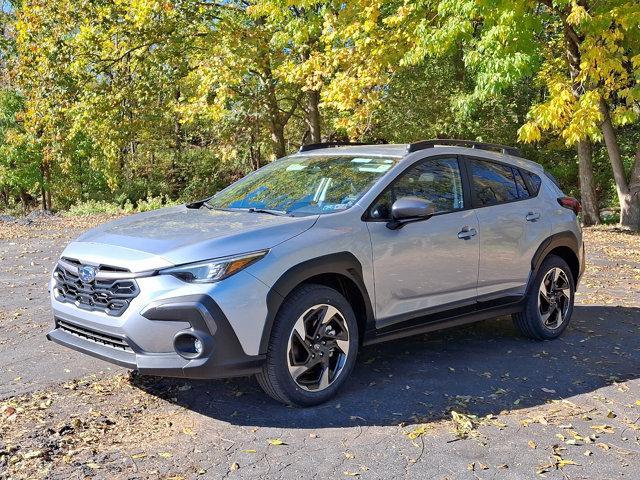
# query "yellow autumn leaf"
(602, 428)
(563, 463)
(275, 441)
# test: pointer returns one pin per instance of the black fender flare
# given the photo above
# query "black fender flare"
(561, 239)
(342, 263)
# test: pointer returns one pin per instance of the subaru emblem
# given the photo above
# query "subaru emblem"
(87, 273)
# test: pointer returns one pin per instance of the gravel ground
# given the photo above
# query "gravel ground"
(472, 402)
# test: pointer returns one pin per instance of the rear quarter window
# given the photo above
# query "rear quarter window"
(534, 182)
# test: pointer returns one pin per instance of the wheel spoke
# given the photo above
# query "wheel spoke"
(544, 293)
(559, 316)
(546, 316)
(343, 345)
(297, 370)
(300, 329)
(324, 378)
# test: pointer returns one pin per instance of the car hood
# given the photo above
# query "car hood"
(177, 235)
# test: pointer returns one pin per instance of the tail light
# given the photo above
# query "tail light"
(570, 203)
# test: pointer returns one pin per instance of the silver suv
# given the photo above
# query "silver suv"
(287, 272)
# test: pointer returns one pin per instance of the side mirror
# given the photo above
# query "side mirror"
(409, 209)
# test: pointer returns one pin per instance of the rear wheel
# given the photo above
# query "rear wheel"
(550, 304)
(312, 349)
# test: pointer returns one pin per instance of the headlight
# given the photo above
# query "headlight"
(214, 270)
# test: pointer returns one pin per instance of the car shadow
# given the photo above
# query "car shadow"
(480, 369)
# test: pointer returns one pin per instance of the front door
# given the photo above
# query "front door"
(430, 265)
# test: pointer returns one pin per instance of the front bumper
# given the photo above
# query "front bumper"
(197, 314)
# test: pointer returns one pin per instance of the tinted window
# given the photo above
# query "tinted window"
(492, 183)
(534, 181)
(436, 180)
(523, 191)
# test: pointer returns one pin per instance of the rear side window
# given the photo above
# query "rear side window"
(534, 182)
(523, 191)
(492, 183)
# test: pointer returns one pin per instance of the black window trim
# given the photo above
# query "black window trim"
(474, 203)
(466, 187)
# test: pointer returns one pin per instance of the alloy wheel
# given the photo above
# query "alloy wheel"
(318, 348)
(554, 298)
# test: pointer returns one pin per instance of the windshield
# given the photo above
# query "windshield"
(305, 185)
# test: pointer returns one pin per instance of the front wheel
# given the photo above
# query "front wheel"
(550, 303)
(312, 349)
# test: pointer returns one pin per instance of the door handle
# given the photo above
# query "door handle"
(532, 216)
(466, 233)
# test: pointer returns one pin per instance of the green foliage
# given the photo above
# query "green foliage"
(91, 207)
(130, 101)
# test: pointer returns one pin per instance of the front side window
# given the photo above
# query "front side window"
(304, 185)
(492, 183)
(435, 180)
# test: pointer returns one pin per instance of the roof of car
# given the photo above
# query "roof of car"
(399, 150)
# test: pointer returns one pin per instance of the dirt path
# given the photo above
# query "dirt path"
(563, 409)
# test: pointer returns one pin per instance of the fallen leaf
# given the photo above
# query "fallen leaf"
(532, 444)
(602, 428)
(234, 466)
(165, 454)
(275, 441)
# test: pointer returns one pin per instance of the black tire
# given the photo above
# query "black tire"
(530, 321)
(275, 378)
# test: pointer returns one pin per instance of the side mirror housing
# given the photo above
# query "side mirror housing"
(409, 209)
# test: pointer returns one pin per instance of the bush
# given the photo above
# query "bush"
(92, 207)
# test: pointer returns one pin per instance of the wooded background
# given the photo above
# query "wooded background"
(121, 100)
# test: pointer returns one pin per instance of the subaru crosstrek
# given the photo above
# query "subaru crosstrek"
(287, 272)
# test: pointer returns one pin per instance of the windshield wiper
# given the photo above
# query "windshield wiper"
(199, 204)
(279, 213)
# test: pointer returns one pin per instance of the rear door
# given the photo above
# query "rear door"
(512, 226)
(431, 265)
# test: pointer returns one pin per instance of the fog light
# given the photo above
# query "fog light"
(197, 345)
(188, 345)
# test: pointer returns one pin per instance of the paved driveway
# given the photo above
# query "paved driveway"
(471, 402)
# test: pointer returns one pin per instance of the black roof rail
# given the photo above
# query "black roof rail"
(424, 144)
(318, 146)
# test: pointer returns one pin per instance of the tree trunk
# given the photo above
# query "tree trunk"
(629, 200)
(313, 116)
(177, 157)
(279, 141)
(24, 199)
(588, 195)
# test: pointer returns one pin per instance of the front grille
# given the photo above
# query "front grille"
(97, 337)
(109, 295)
